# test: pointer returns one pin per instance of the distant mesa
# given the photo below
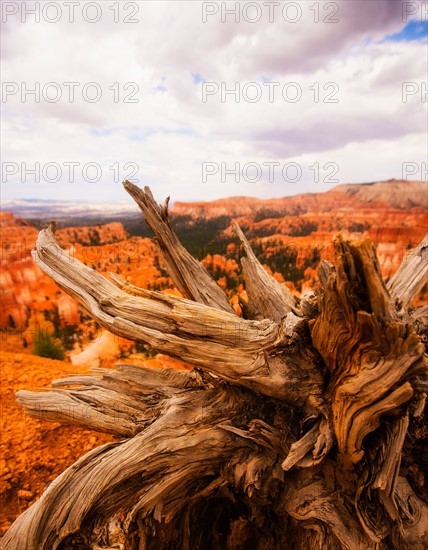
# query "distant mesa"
(392, 193)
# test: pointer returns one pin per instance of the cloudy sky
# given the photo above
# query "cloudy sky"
(202, 100)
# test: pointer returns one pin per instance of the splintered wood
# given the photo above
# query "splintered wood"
(289, 433)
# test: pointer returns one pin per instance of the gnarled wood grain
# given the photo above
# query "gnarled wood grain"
(241, 351)
(189, 276)
(268, 299)
(371, 355)
(411, 276)
(290, 435)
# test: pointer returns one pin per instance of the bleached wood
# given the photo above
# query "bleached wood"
(289, 435)
(411, 276)
(189, 275)
(150, 473)
(237, 350)
(268, 299)
(96, 401)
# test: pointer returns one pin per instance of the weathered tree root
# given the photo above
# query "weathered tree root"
(289, 434)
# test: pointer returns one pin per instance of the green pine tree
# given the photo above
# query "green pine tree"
(46, 346)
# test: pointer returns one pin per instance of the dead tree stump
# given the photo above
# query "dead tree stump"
(301, 426)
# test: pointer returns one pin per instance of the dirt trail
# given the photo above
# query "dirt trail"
(105, 346)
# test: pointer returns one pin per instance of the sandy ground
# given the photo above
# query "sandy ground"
(32, 452)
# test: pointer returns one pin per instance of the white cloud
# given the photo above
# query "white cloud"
(169, 132)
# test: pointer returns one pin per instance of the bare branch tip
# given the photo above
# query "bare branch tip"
(133, 189)
(238, 230)
(164, 209)
(53, 227)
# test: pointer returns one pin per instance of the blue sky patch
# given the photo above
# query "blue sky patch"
(197, 78)
(414, 30)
